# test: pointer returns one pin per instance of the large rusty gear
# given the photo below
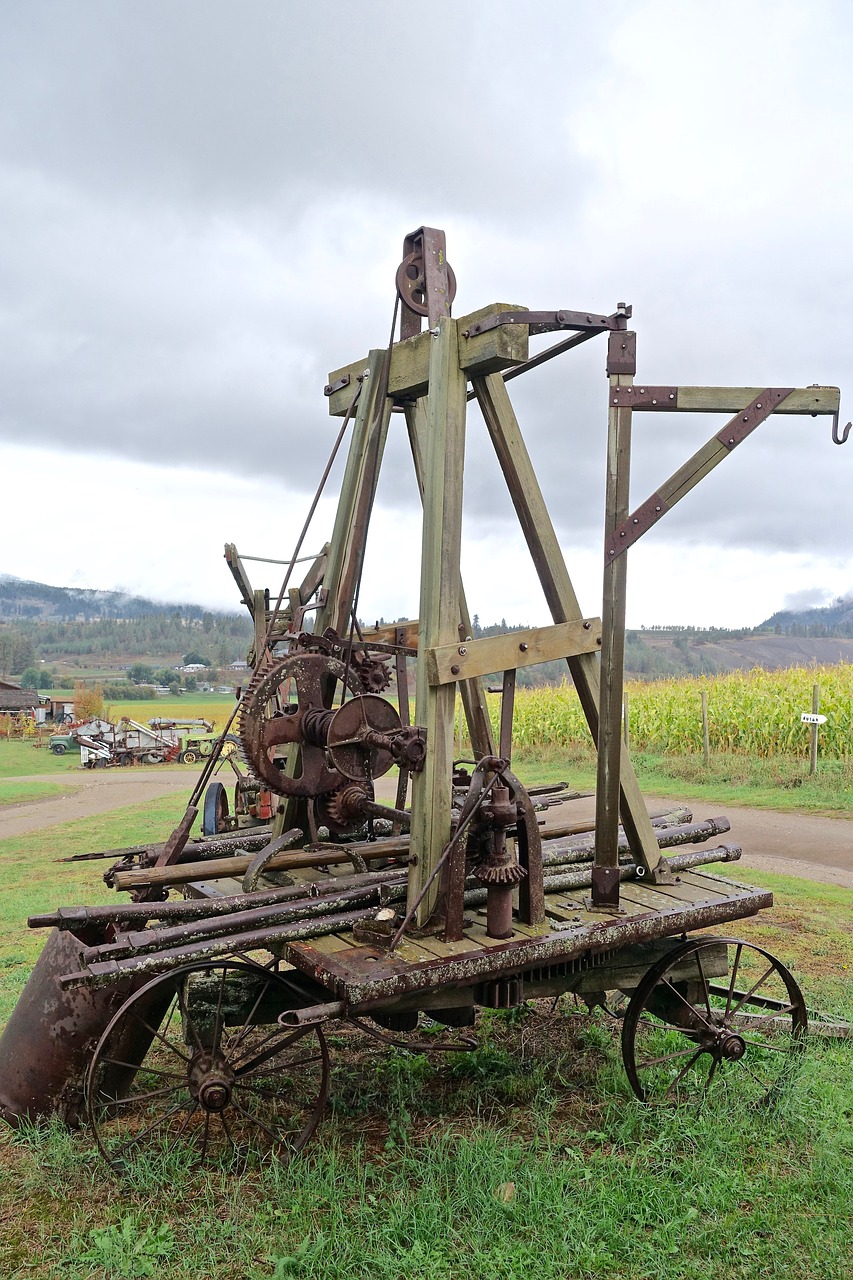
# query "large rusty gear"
(297, 723)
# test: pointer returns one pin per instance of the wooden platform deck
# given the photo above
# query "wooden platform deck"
(366, 976)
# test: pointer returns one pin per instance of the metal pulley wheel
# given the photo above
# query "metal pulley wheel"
(354, 742)
(300, 724)
(411, 283)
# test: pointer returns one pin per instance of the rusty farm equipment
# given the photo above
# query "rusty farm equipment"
(384, 879)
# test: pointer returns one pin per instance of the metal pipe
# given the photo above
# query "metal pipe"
(146, 940)
(201, 908)
(107, 972)
(312, 1013)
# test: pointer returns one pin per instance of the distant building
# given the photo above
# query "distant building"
(14, 699)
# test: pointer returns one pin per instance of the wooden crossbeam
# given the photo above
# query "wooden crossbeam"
(484, 353)
(461, 661)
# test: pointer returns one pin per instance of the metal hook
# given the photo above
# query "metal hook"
(836, 438)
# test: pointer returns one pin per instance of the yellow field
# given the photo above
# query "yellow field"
(203, 706)
(751, 713)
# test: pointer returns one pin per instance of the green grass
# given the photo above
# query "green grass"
(782, 783)
(19, 758)
(527, 1157)
(13, 792)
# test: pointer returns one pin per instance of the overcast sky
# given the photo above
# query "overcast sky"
(203, 206)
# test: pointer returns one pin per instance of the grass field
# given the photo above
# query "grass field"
(527, 1157)
(14, 792)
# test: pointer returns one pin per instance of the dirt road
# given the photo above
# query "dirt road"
(814, 848)
(96, 791)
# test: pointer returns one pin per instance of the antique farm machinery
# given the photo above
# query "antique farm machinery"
(386, 880)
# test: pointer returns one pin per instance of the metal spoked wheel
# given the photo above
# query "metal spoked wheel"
(195, 1063)
(716, 1013)
(190, 757)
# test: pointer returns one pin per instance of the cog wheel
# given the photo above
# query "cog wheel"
(298, 723)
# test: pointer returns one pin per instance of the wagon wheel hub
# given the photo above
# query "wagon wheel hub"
(730, 1045)
(210, 1083)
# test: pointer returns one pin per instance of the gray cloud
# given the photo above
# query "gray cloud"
(204, 205)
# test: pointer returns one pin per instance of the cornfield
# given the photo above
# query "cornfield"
(753, 713)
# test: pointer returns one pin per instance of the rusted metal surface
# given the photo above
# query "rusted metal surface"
(45, 1045)
(549, 321)
(743, 424)
(638, 523)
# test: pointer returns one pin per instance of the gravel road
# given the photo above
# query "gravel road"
(796, 844)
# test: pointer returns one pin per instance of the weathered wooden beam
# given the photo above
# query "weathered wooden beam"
(388, 633)
(358, 487)
(439, 610)
(489, 352)
(560, 594)
(658, 399)
(472, 691)
(244, 586)
(605, 881)
(514, 649)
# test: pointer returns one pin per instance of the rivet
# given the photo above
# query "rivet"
(587, 626)
(523, 648)
(758, 406)
(731, 441)
(462, 650)
(657, 508)
(622, 533)
(454, 671)
(636, 520)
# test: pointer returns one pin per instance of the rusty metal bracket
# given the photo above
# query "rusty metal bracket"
(743, 424)
(622, 353)
(635, 526)
(605, 888)
(635, 398)
(331, 387)
(550, 321)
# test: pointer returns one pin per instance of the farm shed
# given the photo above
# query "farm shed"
(13, 698)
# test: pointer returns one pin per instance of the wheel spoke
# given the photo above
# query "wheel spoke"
(217, 1022)
(134, 1098)
(138, 1137)
(253, 1119)
(683, 1072)
(252, 1068)
(205, 1137)
(283, 1042)
(667, 1057)
(735, 967)
(772, 1048)
(136, 1066)
(189, 1024)
(704, 981)
(247, 1024)
(687, 1004)
(752, 990)
(156, 1034)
